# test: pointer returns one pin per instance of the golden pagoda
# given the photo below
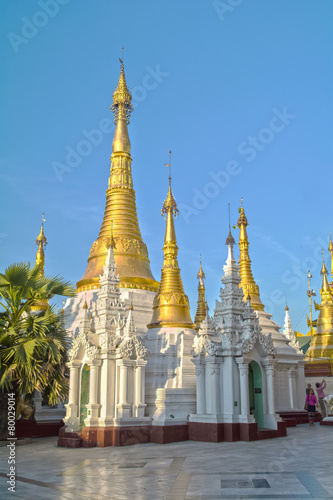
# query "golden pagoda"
(130, 252)
(202, 305)
(247, 283)
(319, 356)
(41, 241)
(171, 306)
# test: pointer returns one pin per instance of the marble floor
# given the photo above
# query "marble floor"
(297, 466)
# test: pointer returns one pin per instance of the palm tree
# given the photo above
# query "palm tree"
(33, 344)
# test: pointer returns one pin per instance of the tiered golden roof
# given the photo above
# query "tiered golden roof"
(130, 252)
(321, 347)
(247, 283)
(202, 305)
(171, 306)
(41, 241)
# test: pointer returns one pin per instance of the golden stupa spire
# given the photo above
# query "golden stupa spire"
(321, 346)
(171, 305)
(130, 252)
(247, 283)
(330, 249)
(41, 242)
(202, 305)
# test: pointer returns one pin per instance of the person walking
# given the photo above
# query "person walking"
(320, 393)
(310, 405)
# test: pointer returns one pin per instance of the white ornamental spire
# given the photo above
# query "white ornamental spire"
(287, 328)
(109, 306)
(129, 329)
(289, 332)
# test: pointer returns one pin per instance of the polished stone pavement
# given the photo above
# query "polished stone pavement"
(297, 466)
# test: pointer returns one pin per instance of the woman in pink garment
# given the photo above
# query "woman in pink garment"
(310, 404)
(320, 393)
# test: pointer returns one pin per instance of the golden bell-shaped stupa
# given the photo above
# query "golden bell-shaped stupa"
(120, 216)
(321, 346)
(171, 306)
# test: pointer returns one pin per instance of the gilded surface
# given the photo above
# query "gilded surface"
(41, 242)
(202, 306)
(321, 346)
(171, 304)
(247, 283)
(120, 216)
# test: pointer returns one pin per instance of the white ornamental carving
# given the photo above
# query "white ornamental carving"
(82, 340)
(132, 347)
(203, 346)
(109, 342)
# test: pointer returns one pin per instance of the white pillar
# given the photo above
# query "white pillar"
(123, 384)
(213, 387)
(124, 409)
(269, 370)
(72, 419)
(200, 383)
(108, 390)
(228, 387)
(243, 368)
(292, 388)
(93, 406)
(140, 388)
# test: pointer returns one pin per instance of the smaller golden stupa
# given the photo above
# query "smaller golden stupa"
(319, 356)
(202, 305)
(247, 283)
(171, 307)
(41, 241)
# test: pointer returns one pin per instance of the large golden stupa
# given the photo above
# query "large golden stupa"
(120, 217)
(319, 356)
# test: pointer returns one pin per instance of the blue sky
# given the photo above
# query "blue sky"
(240, 91)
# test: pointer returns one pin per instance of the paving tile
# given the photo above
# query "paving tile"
(186, 470)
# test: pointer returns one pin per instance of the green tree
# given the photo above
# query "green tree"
(33, 343)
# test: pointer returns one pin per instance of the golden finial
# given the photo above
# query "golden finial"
(330, 249)
(122, 106)
(323, 267)
(131, 306)
(169, 165)
(122, 57)
(286, 308)
(170, 202)
(62, 309)
(330, 246)
(85, 305)
(201, 274)
(41, 239)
